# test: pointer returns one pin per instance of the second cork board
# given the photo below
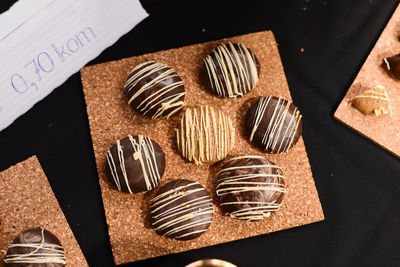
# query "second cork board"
(111, 118)
(27, 201)
(383, 130)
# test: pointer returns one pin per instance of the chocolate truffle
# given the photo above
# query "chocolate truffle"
(373, 101)
(250, 188)
(35, 248)
(154, 90)
(205, 135)
(392, 65)
(182, 210)
(273, 124)
(231, 70)
(135, 164)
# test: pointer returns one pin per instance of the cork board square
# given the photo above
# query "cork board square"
(27, 201)
(111, 118)
(383, 130)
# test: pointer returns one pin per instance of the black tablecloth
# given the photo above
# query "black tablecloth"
(358, 182)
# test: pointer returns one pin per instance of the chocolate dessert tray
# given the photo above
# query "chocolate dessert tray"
(379, 89)
(111, 118)
(28, 202)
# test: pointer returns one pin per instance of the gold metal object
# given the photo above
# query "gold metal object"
(210, 263)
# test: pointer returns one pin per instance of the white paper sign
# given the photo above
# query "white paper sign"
(43, 42)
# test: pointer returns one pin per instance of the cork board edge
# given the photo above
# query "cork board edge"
(222, 243)
(88, 69)
(345, 123)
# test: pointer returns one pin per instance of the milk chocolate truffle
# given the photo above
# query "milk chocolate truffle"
(273, 124)
(231, 70)
(205, 135)
(373, 101)
(35, 248)
(392, 65)
(182, 210)
(250, 188)
(135, 164)
(154, 90)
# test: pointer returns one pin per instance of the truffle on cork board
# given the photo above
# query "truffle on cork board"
(27, 201)
(384, 129)
(111, 118)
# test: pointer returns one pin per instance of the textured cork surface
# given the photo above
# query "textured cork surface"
(27, 201)
(111, 118)
(383, 130)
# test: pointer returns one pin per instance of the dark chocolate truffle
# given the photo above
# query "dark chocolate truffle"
(231, 70)
(205, 135)
(182, 210)
(392, 65)
(35, 248)
(273, 124)
(154, 90)
(135, 164)
(250, 188)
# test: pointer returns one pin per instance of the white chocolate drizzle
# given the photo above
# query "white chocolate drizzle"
(143, 152)
(155, 102)
(205, 135)
(239, 75)
(41, 253)
(247, 182)
(387, 63)
(275, 130)
(192, 212)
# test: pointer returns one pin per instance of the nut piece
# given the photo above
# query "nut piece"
(373, 101)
